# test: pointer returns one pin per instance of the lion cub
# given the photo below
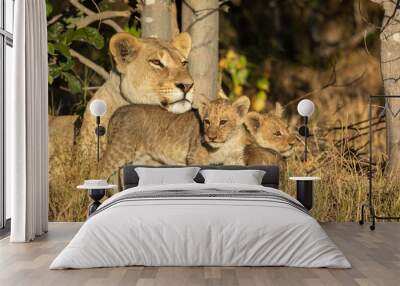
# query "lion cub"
(141, 134)
(271, 139)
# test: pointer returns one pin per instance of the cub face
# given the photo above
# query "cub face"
(153, 71)
(222, 119)
(270, 132)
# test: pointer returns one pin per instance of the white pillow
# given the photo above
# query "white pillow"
(166, 176)
(248, 177)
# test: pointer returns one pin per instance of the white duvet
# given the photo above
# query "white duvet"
(200, 231)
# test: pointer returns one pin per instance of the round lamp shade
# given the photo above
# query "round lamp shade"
(98, 107)
(305, 107)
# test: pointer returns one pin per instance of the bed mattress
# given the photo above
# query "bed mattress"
(201, 225)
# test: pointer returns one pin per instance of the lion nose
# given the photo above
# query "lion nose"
(185, 87)
(212, 136)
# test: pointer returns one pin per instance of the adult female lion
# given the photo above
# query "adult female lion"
(148, 71)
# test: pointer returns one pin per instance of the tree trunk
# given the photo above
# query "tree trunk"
(156, 19)
(201, 20)
(390, 67)
(174, 20)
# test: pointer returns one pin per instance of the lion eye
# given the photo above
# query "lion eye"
(206, 122)
(185, 63)
(157, 63)
(222, 122)
(277, 133)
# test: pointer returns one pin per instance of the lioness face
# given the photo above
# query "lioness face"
(223, 119)
(154, 71)
(270, 132)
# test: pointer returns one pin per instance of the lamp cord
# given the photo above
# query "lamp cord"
(98, 137)
(305, 137)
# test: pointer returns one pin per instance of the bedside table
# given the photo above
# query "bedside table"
(96, 193)
(304, 190)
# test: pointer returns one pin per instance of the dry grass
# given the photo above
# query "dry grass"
(343, 187)
(343, 171)
(342, 164)
(337, 197)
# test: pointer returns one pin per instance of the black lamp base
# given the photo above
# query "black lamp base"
(304, 131)
(305, 193)
(100, 130)
(96, 195)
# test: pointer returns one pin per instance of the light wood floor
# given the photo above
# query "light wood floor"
(375, 257)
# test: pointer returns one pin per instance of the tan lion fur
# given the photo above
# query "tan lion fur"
(149, 135)
(224, 131)
(272, 139)
(138, 80)
(142, 134)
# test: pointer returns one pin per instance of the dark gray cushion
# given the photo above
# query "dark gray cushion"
(270, 179)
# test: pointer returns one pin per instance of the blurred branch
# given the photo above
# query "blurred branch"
(391, 17)
(358, 136)
(206, 12)
(54, 19)
(350, 43)
(354, 127)
(92, 88)
(364, 18)
(197, 12)
(332, 82)
(98, 69)
(83, 22)
(89, 12)
(81, 7)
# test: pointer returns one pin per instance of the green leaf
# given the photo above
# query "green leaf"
(242, 76)
(89, 35)
(49, 8)
(67, 37)
(263, 84)
(63, 49)
(74, 84)
(261, 95)
(68, 65)
(104, 6)
(133, 31)
(54, 31)
(242, 62)
(54, 72)
(51, 49)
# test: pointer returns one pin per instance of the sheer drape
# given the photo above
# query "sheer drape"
(27, 123)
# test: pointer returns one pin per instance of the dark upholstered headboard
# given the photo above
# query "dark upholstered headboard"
(271, 177)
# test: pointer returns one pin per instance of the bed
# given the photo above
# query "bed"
(199, 224)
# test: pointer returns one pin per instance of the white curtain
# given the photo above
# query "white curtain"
(27, 123)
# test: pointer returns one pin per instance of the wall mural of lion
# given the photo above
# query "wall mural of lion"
(154, 118)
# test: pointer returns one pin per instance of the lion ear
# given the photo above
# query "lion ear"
(124, 48)
(221, 94)
(183, 43)
(201, 103)
(252, 122)
(241, 105)
(278, 109)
